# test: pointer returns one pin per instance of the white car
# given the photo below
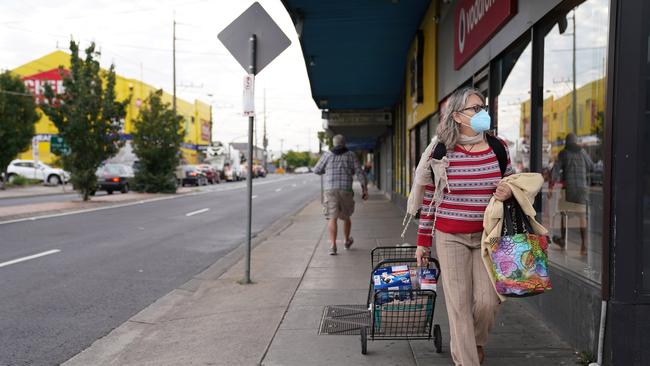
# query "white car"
(36, 170)
(301, 170)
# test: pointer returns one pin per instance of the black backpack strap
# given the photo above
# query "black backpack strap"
(499, 150)
(438, 153)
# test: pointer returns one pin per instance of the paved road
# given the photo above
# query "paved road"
(113, 263)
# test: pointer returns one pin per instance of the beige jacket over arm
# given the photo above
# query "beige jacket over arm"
(524, 186)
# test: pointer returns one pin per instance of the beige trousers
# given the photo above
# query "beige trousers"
(471, 301)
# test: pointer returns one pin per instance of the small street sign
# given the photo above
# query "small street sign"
(249, 95)
(58, 146)
(35, 152)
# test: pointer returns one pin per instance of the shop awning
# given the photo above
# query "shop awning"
(355, 50)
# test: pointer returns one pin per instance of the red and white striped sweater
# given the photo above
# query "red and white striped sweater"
(473, 178)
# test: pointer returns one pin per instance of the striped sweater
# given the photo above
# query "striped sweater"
(473, 178)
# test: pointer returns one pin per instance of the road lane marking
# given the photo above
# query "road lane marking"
(294, 185)
(278, 190)
(23, 259)
(197, 212)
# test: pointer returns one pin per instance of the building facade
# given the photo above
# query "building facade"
(551, 71)
(197, 116)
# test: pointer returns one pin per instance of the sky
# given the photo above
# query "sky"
(137, 37)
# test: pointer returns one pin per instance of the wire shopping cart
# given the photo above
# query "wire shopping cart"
(404, 314)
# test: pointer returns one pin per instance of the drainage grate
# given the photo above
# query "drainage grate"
(344, 319)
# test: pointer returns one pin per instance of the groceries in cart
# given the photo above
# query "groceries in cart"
(398, 280)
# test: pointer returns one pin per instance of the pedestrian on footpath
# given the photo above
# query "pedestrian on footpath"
(460, 171)
(339, 166)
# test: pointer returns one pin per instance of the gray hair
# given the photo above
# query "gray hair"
(448, 130)
(338, 140)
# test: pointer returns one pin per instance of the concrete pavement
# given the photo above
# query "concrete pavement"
(214, 320)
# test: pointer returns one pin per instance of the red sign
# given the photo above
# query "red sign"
(475, 22)
(36, 83)
(205, 130)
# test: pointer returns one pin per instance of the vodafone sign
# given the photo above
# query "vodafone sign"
(475, 22)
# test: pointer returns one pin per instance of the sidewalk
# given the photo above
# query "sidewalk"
(22, 211)
(213, 320)
(35, 190)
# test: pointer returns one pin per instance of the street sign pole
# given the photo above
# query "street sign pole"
(253, 28)
(249, 178)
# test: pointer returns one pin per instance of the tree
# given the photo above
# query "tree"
(17, 118)
(156, 141)
(296, 159)
(325, 140)
(88, 117)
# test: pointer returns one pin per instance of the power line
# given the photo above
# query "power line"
(16, 93)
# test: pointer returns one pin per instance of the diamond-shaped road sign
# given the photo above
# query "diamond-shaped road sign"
(271, 41)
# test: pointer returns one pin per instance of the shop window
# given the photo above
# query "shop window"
(575, 52)
(513, 104)
(423, 138)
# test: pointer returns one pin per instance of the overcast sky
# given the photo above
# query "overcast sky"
(137, 37)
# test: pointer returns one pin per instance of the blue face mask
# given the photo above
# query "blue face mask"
(480, 122)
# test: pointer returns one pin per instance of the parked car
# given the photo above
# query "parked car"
(210, 173)
(301, 170)
(114, 177)
(191, 174)
(36, 170)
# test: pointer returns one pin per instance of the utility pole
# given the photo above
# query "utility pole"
(281, 153)
(575, 96)
(174, 64)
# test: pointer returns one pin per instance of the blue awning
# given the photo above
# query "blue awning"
(356, 50)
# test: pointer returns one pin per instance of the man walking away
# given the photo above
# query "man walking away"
(339, 166)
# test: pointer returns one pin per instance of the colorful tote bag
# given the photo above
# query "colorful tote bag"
(519, 257)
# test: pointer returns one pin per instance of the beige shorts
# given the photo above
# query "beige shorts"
(338, 204)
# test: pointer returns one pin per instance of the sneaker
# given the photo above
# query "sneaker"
(332, 250)
(349, 243)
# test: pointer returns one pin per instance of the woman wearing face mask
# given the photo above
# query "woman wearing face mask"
(470, 173)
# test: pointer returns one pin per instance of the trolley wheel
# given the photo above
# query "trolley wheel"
(364, 340)
(437, 338)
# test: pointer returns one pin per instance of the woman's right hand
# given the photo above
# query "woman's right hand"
(422, 256)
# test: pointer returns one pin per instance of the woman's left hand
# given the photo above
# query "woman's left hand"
(503, 192)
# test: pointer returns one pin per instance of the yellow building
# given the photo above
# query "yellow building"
(558, 116)
(197, 120)
(420, 99)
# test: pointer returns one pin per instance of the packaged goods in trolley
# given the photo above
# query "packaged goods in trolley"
(401, 298)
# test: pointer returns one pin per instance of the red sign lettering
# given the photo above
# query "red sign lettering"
(36, 84)
(475, 22)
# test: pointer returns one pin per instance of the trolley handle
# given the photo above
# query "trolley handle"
(386, 262)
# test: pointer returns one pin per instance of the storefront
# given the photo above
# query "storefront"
(545, 69)
(197, 116)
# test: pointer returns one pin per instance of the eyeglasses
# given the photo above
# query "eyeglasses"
(476, 108)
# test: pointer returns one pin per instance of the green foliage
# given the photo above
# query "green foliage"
(19, 180)
(296, 159)
(156, 141)
(17, 118)
(585, 358)
(325, 140)
(88, 117)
